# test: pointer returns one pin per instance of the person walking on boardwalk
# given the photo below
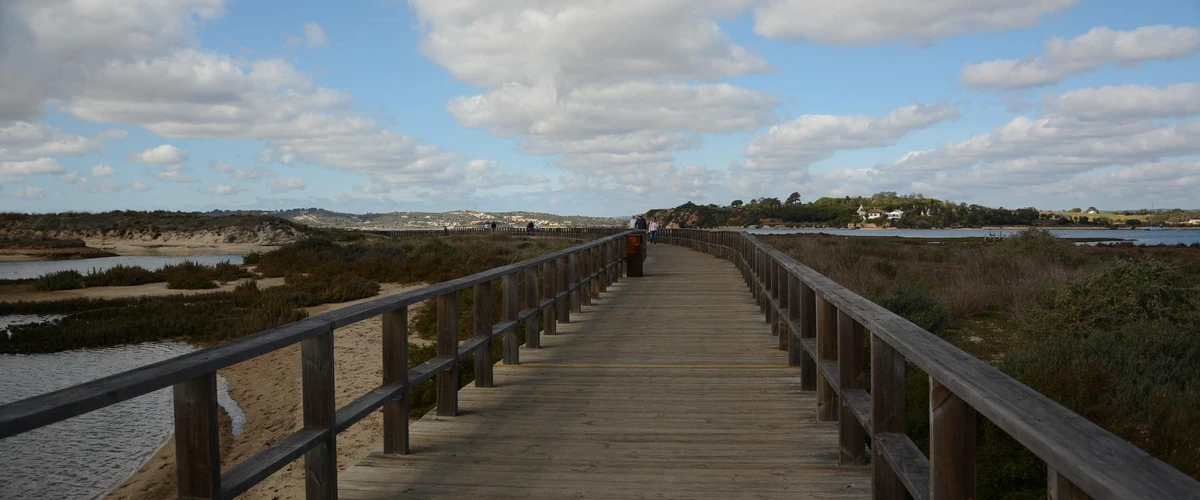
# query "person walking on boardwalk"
(632, 222)
(653, 231)
(639, 223)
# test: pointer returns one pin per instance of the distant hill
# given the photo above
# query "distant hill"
(317, 217)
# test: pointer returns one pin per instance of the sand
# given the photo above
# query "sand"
(13, 293)
(268, 390)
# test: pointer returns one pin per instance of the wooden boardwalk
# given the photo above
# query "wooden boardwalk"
(667, 386)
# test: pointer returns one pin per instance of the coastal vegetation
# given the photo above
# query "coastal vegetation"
(315, 271)
(1111, 332)
(919, 212)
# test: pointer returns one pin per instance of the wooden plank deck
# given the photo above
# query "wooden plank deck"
(668, 386)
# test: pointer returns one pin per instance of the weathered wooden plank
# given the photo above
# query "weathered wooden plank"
(909, 464)
(857, 404)
(1060, 488)
(243, 476)
(481, 315)
(197, 438)
(808, 332)
(533, 334)
(852, 376)
(951, 444)
(887, 416)
(320, 462)
(395, 371)
(795, 348)
(549, 285)
(447, 348)
(828, 407)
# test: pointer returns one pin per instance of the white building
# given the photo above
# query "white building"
(895, 214)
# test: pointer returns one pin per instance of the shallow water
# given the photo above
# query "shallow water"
(86, 456)
(1137, 236)
(25, 319)
(33, 269)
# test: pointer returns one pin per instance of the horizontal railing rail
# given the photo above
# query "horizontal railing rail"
(556, 284)
(825, 327)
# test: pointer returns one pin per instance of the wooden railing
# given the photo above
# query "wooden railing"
(556, 284)
(825, 327)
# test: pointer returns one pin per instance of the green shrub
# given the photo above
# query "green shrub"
(59, 280)
(915, 303)
(122, 275)
(251, 258)
(188, 275)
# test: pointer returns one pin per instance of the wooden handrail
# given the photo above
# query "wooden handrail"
(821, 317)
(193, 375)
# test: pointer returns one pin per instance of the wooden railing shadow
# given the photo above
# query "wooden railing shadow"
(825, 328)
(556, 285)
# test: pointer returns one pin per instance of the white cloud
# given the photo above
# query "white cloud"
(264, 156)
(1129, 102)
(176, 173)
(40, 166)
(857, 22)
(315, 36)
(20, 140)
(289, 184)
(220, 167)
(49, 46)
(70, 177)
(140, 186)
(102, 171)
(373, 188)
(1100, 46)
(250, 174)
(223, 190)
(811, 138)
(29, 193)
(159, 155)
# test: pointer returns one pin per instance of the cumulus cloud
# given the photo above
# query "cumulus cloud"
(315, 35)
(1100, 46)
(858, 22)
(159, 155)
(251, 174)
(289, 184)
(21, 140)
(223, 190)
(13, 171)
(140, 186)
(29, 193)
(70, 177)
(176, 173)
(220, 167)
(1129, 102)
(610, 89)
(811, 138)
(102, 171)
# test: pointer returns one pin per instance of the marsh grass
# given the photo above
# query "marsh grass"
(1111, 332)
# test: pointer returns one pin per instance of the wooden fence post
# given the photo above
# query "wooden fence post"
(951, 445)
(564, 305)
(510, 289)
(197, 438)
(1061, 488)
(395, 371)
(808, 330)
(320, 463)
(483, 309)
(447, 347)
(795, 348)
(533, 338)
(573, 281)
(828, 407)
(783, 284)
(549, 282)
(851, 375)
(887, 416)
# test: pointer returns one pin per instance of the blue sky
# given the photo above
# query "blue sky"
(598, 108)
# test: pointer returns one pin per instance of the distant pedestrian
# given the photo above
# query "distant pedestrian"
(632, 222)
(529, 227)
(640, 223)
(653, 231)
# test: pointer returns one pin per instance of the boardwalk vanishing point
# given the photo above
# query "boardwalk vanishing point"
(668, 386)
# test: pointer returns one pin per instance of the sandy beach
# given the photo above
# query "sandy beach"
(268, 390)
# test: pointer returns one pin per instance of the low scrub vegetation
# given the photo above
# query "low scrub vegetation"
(1112, 333)
(185, 275)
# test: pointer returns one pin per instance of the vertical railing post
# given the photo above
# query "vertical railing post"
(549, 283)
(951, 444)
(510, 289)
(828, 407)
(781, 281)
(851, 375)
(1061, 488)
(795, 349)
(395, 371)
(320, 463)
(197, 438)
(562, 272)
(573, 270)
(808, 330)
(447, 347)
(533, 338)
(772, 296)
(887, 416)
(483, 308)
(585, 290)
